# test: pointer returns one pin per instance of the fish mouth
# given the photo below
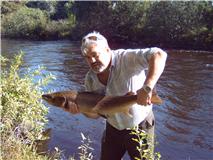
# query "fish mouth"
(46, 96)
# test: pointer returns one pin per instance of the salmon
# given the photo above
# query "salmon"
(90, 102)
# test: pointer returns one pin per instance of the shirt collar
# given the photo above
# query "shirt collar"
(113, 59)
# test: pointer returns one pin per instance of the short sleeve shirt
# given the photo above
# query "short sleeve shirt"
(127, 74)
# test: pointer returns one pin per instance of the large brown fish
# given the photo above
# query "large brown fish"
(89, 102)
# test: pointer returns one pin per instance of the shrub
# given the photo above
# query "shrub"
(24, 23)
(22, 113)
(141, 138)
(9, 6)
(57, 29)
(23, 116)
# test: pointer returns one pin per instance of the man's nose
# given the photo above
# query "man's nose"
(92, 59)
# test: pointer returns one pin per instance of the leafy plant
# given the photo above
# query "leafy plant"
(25, 22)
(85, 149)
(145, 148)
(57, 29)
(23, 116)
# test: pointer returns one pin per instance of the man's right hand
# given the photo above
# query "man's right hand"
(72, 108)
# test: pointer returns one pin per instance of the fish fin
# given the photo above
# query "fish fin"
(156, 99)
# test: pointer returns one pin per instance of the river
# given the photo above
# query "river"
(184, 123)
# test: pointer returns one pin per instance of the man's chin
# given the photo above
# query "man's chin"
(97, 70)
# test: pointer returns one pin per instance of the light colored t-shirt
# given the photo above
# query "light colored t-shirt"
(127, 73)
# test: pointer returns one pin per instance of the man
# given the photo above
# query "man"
(115, 73)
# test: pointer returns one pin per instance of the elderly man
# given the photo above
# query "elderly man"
(115, 73)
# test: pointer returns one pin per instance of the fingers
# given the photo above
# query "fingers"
(130, 93)
(143, 98)
(149, 102)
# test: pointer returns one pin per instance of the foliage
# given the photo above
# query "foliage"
(133, 18)
(160, 23)
(13, 148)
(141, 139)
(62, 10)
(57, 29)
(85, 149)
(25, 22)
(92, 15)
(48, 6)
(56, 10)
(174, 23)
(34, 21)
(117, 20)
(23, 116)
(177, 24)
(9, 7)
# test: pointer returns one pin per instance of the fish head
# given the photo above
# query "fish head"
(60, 99)
(53, 99)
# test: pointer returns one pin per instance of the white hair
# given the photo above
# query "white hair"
(93, 38)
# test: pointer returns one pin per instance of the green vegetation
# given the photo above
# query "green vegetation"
(23, 116)
(170, 24)
(22, 113)
(146, 152)
(36, 20)
(85, 151)
(25, 22)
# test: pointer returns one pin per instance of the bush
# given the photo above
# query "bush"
(9, 6)
(24, 23)
(58, 29)
(23, 116)
(22, 113)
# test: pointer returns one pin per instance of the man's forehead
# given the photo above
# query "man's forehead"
(94, 48)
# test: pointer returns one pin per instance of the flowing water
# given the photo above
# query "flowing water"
(184, 123)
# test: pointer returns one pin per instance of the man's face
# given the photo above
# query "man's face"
(98, 57)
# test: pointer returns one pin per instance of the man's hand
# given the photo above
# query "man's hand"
(144, 98)
(72, 108)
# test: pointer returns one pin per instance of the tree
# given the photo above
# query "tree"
(173, 22)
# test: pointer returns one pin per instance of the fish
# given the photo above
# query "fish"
(90, 102)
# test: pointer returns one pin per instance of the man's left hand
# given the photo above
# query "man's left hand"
(144, 98)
